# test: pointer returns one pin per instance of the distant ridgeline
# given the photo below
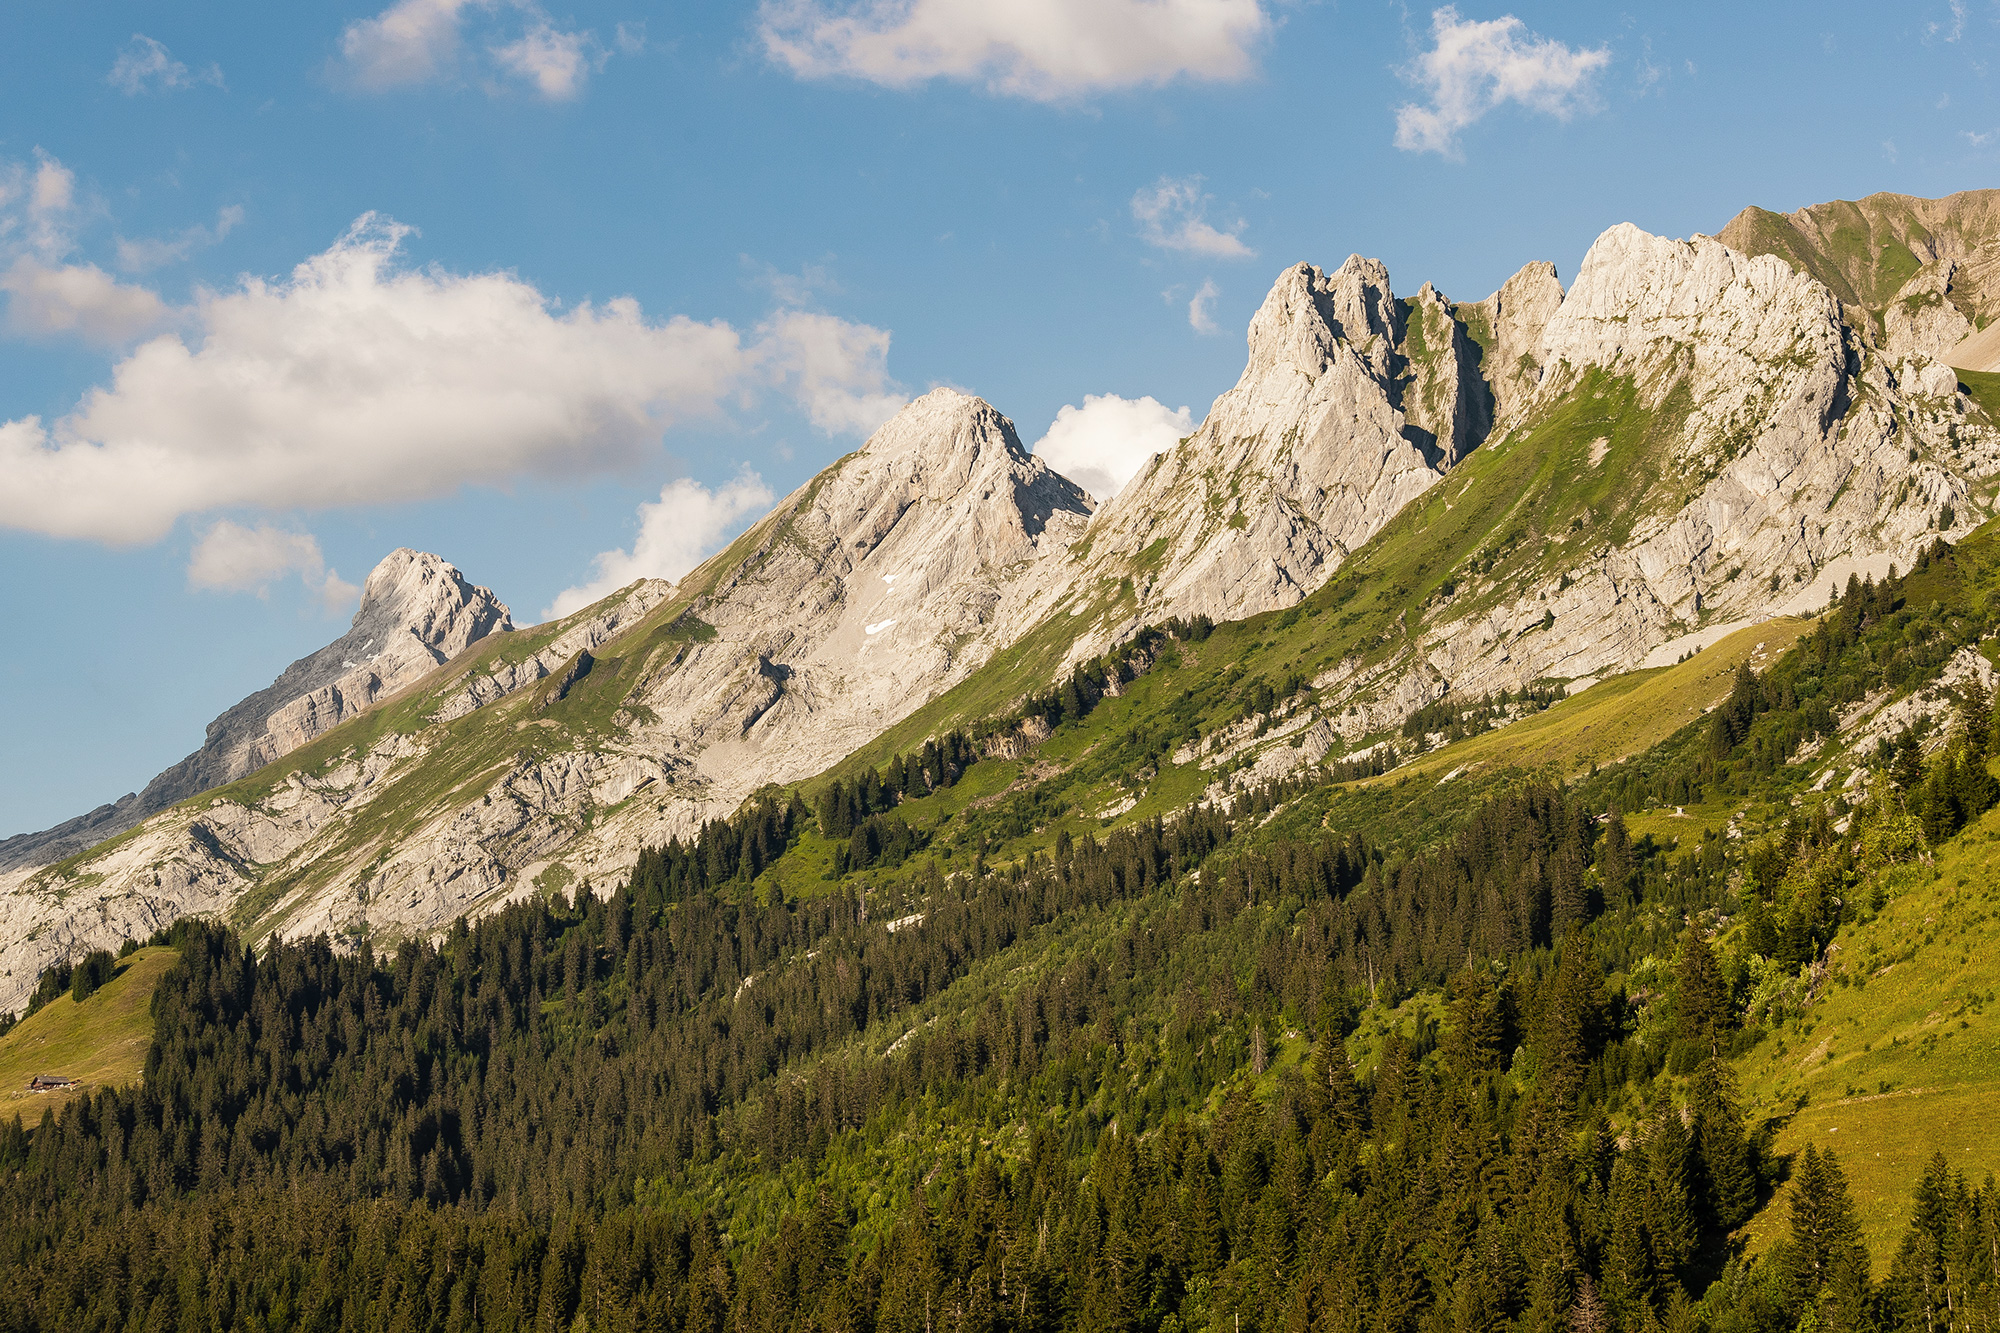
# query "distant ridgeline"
(1383, 1058)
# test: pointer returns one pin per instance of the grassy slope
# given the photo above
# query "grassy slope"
(102, 1041)
(1904, 1061)
(1619, 717)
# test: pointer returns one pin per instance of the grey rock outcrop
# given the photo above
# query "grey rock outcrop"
(1513, 319)
(416, 611)
(888, 578)
(1341, 417)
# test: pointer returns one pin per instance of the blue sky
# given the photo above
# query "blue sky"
(287, 286)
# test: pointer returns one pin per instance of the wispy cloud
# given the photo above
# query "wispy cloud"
(146, 65)
(154, 252)
(416, 42)
(557, 63)
(1042, 51)
(1474, 67)
(1952, 30)
(1172, 214)
(1201, 310)
(232, 558)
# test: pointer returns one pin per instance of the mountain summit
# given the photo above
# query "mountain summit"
(416, 611)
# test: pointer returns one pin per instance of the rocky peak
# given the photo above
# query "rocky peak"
(416, 611)
(1513, 319)
(1638, 296)
(956, 455)
(426, 597)
(1338, 420)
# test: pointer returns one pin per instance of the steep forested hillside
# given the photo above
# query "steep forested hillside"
(904, 1051)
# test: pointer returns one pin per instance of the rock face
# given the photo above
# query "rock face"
(888, 578)
(1916, 275)
(1540, 486)
(1783, 439)
(416, 611)
(1351, 405)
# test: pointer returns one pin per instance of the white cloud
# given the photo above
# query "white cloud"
(138, 256)
(1201, 310)
(78, 300)
(1473, 67)
(556, 62)
(1103, 444)
(37, 207)
(1172, 214)
(1048, 50)
(357, 381)
(147, 66)
(685, 526)
(232, 558)
(419, 41)
(837, 371)
(412, 41)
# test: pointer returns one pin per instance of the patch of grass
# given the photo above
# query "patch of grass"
(101, 1042)
(1984, 388)
(1619, 717)
(1899, 1058)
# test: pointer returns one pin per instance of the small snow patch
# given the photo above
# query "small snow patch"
(878, 626)
(904, 922)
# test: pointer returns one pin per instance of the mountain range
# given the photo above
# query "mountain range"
(1532, 492)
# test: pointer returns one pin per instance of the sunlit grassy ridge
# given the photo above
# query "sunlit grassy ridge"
(101, 1042)
(1899, 1056)
(1617, 718)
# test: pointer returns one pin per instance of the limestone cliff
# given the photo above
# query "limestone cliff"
(1351, 404)
(416, 611)
(1543, 486)
(887, 578)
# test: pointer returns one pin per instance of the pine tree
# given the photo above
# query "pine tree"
(1701, 997)
(1722, 1148)
(1826, 1264)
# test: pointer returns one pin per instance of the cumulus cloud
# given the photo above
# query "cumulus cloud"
(1201, 310)
(38, 207)
(837, 371)
(685, 526)
(1103, 444)
(1172, 214)
(412, 41)
(47, 297)
(358, 380)
(232, 558)
(78, 300)
(1473, 67)
(140, 255)
(556, 62)
(147, 66)
(1044, 51)
(420, 41)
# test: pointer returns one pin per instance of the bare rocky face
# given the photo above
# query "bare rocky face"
(1787, 420)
